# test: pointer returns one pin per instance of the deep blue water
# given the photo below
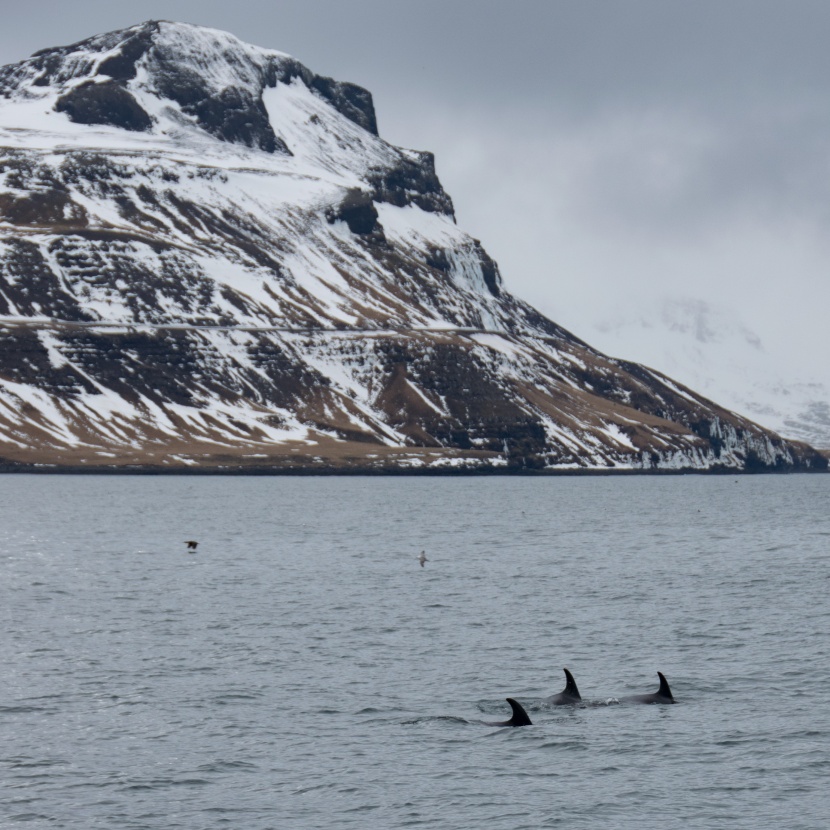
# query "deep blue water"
(301, 670)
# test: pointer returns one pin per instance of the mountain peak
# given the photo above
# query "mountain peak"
(143, 77)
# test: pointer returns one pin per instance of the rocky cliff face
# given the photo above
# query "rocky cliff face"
(209, 258)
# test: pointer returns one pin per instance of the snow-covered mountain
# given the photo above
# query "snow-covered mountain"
(712, 349)
(209, 258)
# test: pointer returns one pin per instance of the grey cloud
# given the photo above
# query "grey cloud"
(681, 175)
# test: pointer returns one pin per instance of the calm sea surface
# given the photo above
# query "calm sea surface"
(301, 670)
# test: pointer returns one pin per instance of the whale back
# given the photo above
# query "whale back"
(662, 695)
(570, 694)
(519, 717)
(664, 691)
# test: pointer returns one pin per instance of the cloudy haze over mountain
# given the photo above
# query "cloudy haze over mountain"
(652, 175)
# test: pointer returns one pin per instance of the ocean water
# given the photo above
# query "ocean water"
(301, 670)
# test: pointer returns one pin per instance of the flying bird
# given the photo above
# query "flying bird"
(423, 558)
(191, 545)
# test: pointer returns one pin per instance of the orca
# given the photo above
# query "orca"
(519, 718)
(568, 696)
(662, 695)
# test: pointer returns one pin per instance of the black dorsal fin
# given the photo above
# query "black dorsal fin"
(570, 685)
(664, 690)
(520, 717)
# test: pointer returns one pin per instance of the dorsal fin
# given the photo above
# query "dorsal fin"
(520, 717)
(664, 689)
(570, 685)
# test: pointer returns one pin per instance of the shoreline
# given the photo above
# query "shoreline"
(369, 472)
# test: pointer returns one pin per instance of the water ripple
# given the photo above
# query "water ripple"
(305, 671)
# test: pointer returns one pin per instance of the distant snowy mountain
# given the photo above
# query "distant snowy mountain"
(711, 349)
(209, 258)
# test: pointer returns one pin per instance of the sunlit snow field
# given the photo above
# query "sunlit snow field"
(301, 670)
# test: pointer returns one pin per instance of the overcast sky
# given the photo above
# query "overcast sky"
(606, 152)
